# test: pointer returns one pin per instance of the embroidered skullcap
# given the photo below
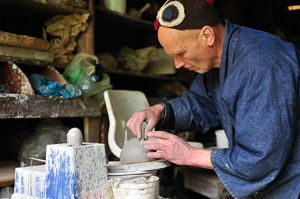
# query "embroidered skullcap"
(187, 14)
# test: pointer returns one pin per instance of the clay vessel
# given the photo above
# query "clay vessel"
(133, 151)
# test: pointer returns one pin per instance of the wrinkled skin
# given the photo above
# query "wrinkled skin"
(176, 150)
(150, 115)
(171, 147)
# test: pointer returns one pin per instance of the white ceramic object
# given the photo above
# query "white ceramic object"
(137, 188)
(116, 5)
(221, 139)
(74, 137)
(133, 151)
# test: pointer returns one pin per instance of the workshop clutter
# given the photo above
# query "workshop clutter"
(48, 131)
(135, 60)
(42, 85)
(63, 31)
(14, 79)
(85, 72)
(81, 66)
(82, 77)
(29, 139)
(151, 60)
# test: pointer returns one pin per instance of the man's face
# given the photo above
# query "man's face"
(187, 49)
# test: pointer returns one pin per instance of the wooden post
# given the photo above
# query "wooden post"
(92, 129)
(86, 44)
(86, 39)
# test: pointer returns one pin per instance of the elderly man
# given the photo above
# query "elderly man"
(248, 82)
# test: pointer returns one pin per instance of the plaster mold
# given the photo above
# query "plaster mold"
(70, 172)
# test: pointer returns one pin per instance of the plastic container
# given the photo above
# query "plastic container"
(137, 188)
(87, 83)
(221, 139)
(116, 5)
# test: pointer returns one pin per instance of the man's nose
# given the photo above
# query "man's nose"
(178, 62)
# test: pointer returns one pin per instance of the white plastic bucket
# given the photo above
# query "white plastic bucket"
(221, 139)
(138, 188)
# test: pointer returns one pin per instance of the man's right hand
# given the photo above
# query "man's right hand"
(150, 115)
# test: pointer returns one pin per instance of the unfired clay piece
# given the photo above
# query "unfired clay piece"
(133, 151)
(74, 137)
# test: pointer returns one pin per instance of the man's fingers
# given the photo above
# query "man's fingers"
(160, 134)
(134, 124)
(159, 154)
(151, 124)
(156, 144)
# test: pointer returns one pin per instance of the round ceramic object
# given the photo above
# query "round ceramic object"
(74, 137)
(149, 167)
(133, 152)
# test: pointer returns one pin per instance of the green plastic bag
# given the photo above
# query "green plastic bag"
(80, 66)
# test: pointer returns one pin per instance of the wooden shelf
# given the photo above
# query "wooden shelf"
(7, 172)
(122, 21)
(51, 7)
(25, 56)
(147, 75)
(37, 106)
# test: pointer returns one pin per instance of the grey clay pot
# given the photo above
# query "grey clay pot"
(133, 151)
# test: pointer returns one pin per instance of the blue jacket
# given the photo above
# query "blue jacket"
(255, 96)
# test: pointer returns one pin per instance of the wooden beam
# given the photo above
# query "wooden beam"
(11, 39)
(37, 106)
(25, 56)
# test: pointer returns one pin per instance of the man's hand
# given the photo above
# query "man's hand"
(176, 150)
(150, 115)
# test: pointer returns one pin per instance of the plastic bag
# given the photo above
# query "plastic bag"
(48, 131)
(44, 86)
(79, 67)
(135, 60)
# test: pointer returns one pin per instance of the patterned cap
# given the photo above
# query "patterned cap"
(187, 14)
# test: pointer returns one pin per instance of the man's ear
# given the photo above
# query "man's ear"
(209, 35)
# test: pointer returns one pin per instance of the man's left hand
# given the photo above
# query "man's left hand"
(169, 146)
(176, 150)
